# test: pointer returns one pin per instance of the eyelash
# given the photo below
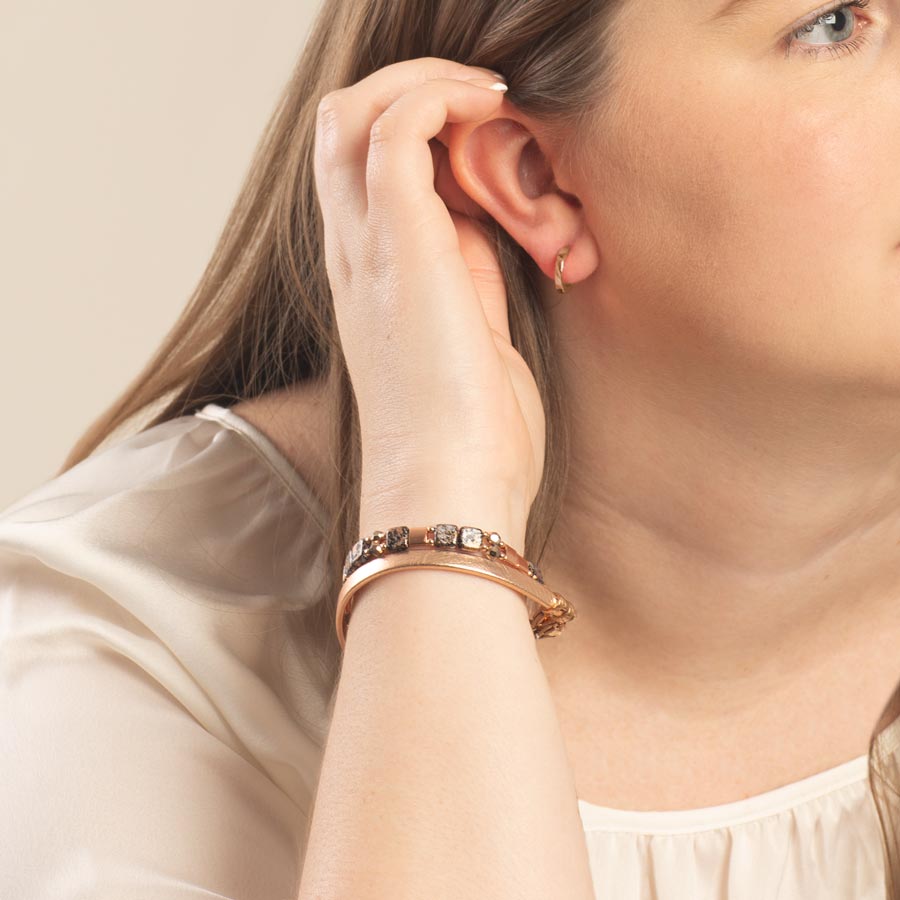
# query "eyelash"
(848, 46)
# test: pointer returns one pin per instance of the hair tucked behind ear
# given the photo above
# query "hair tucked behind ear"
(261, 317)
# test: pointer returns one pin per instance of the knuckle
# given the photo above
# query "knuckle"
(383, 129)
(328, 116)
(328, 105)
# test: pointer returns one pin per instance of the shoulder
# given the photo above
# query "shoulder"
(298, 421)
(184, 508)
(142, 691)
(149, 590)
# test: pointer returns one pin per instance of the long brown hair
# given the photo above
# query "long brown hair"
(261, 317)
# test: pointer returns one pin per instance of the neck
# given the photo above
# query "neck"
(724, 536)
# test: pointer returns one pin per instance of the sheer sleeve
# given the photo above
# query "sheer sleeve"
(162, 711)
(111, 787)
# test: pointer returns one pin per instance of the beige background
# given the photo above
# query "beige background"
(126, 132)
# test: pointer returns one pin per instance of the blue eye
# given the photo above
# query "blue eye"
(837, 22)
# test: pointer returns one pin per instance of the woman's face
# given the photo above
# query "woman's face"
(747, 203)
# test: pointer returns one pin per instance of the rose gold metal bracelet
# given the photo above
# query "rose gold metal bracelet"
(465, 549)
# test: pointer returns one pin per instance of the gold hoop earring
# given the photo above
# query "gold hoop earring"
(560, 266)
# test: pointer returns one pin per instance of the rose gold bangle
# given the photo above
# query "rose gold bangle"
(463, 549)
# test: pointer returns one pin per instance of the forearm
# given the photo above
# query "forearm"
(445, 773)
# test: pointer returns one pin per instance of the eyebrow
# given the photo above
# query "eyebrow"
(732, 8)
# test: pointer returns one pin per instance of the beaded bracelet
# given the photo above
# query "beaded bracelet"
(466, 549)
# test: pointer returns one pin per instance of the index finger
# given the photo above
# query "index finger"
(346, 115)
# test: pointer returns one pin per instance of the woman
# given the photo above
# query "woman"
(697, 443)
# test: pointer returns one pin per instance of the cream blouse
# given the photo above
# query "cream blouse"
(161, 732)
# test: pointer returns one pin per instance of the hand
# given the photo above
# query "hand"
(419, 298)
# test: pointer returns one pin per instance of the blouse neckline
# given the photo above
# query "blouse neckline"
(269, 454)
(850, 774)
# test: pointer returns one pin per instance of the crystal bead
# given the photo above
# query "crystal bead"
(398, 538)
(445, 535)
(471, 538)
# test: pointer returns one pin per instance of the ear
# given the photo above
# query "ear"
(499, 163)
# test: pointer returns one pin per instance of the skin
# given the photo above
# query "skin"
(730, 536)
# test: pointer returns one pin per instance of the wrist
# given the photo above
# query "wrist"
(490, 510)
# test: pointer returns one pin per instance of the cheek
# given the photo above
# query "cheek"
(772, 182)
(797, 177)
(762, 225)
